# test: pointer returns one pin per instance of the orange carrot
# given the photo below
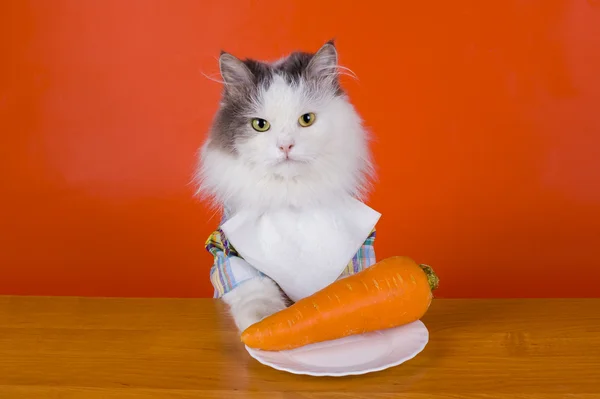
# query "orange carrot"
(393, 292)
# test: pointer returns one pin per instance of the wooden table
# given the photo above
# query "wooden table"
(71, 348)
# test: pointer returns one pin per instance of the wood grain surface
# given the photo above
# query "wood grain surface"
(76, 348)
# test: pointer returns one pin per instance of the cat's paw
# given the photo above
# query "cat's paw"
(255, 311)
(254, 300)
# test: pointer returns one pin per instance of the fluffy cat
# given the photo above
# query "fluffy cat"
(285, 135)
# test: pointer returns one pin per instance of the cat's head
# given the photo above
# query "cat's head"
(285, 134)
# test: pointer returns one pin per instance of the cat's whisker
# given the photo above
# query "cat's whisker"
(348, 70)
(213, 79)
(215, 214)
(349, 75)
(342, 70)
(339, 74)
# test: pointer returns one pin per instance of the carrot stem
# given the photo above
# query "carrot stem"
(432, 278)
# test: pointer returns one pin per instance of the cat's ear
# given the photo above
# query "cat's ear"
(234, 72)
(325, 62)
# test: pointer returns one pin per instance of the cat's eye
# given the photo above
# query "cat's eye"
(260, 125)
(307, 119)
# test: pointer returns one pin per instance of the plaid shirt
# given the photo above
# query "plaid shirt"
(229, 269)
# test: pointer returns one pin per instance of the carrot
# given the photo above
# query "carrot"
(392, 292)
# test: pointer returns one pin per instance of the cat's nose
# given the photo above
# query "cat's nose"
(286, 148)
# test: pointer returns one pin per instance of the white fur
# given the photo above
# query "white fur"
(330, 158)
(330, 161)
(254, 300)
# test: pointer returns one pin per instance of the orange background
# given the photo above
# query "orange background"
(486, 116)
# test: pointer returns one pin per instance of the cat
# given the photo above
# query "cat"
(285, 135)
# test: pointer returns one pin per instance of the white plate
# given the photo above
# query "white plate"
(354, 355)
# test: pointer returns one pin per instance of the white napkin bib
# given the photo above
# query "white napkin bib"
(303, 251)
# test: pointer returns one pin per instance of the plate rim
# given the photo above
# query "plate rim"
(349, 373)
